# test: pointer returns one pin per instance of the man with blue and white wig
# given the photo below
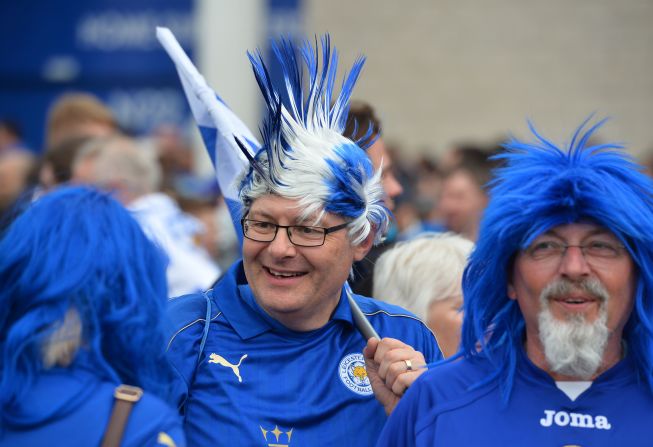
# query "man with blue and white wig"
(557, 342)
(272, 354)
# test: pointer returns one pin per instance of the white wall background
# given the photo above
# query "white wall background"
(440, 71)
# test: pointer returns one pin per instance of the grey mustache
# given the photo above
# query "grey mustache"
(591, 286)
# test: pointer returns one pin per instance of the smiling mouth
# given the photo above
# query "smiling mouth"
(279, 274)
(575, 300)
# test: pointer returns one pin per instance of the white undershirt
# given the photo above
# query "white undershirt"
(573, 389)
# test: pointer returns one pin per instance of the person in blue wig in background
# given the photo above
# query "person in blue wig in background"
(82, 307)
(557, 341)
(275, 358)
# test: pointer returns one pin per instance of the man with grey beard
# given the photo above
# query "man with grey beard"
(557, 339)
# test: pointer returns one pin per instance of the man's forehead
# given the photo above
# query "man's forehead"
(578, 229)
(277, 208)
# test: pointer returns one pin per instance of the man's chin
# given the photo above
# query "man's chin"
(573, 346)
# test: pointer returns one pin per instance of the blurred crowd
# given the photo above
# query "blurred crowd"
(437, 202)
(153, 175)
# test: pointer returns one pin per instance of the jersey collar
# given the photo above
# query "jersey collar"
(239, 306)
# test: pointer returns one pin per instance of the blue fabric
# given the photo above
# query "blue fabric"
(440, 410)
(290, 380)
(210, 138)
(85, 421)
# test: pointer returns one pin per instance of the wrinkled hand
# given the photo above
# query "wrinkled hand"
(387, 369)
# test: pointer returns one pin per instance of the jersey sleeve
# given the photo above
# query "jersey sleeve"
(171, 437)
(395, 322)
(170, 434)
(416, 334)
(188, 317)
(153, 423)
(429, 345)
(399, 429)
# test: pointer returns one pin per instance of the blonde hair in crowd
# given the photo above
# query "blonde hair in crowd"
(414, 273)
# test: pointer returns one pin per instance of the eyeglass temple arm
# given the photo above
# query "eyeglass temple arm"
(362, 323)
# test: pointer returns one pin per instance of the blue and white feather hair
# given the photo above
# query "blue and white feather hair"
(304, 154)
(541, 186)
(79, 277)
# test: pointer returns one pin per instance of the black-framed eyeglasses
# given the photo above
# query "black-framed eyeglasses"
(300, 235)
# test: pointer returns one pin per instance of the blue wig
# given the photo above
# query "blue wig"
(541, 186)
(78, 250)
(304, 154)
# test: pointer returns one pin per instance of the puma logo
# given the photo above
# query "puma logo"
(215, 358)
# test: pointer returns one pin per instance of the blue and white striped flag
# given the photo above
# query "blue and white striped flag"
(217, 124)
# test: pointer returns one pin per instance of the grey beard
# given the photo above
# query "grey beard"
(574, 347)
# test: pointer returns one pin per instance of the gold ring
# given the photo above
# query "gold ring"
(409, 365)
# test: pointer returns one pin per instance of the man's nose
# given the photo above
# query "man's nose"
(281, 246)
(392, 186)
(573, 264)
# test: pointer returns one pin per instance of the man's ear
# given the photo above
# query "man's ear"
(512, 293)
(361, 250)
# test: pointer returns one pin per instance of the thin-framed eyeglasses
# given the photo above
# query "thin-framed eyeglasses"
(594, 251)
(300, 235)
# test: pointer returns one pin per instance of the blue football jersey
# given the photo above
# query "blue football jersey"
(441, 409)
(257, 382)
(71, 407)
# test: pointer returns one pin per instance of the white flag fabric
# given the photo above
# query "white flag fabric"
(218, 125)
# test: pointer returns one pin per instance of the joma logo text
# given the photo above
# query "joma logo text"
(563, 419)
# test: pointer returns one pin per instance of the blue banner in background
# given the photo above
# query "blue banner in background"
(108, 48)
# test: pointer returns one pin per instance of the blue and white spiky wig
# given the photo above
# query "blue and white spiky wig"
(541, 186)
(78, 252)
(304, 155)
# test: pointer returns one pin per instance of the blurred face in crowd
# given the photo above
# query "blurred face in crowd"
(84, 171)
(88, 128)
(445, 319)
(575, 301)
(8, 137)
(14, 170)
(381, 158)
(462, 203)
(298, 286)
